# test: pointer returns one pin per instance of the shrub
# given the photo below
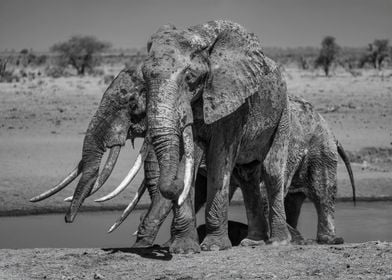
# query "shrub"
(328, 53)
(6, 76)
(55, 72)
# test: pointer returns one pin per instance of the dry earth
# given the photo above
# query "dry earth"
(42, 124)
(371, 260)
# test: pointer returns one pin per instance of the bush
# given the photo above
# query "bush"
(54, 72)
(6, 76)
(328, 54)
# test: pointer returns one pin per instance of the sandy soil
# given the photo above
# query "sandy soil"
(371, 260)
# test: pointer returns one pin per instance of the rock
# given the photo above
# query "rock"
(98, 276)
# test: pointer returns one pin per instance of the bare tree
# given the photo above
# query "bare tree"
(328, 53)
(78, 52)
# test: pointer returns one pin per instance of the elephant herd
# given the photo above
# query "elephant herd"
(215, 116)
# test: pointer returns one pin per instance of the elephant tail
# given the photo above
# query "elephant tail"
(346, 161)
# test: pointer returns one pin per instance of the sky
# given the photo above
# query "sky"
(38, 24)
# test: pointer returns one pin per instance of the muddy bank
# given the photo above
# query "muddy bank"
(61, 209)
(371, 260)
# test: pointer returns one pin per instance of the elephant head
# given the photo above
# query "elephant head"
(121, 111)
(208, 70)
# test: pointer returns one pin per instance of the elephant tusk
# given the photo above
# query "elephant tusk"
(106, 171)
(130, 207)
(189, 163)
(65, 182)
(68, 199)
(131, 174)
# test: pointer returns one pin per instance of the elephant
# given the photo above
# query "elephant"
(211, 88)
(122, 106)
(212, 85)
(311, 168)
(121, 116)
(160, 207)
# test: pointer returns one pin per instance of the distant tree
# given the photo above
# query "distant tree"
(377, 52)
(3, 66)
(24, 51)
(328, 54)
(78, 52)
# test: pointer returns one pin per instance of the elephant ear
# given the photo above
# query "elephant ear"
(237, 69)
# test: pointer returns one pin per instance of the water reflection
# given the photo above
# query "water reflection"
(367, 221)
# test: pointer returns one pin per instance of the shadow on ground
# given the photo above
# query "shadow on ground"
(155, 252)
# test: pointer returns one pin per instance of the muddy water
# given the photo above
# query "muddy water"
(366, 221)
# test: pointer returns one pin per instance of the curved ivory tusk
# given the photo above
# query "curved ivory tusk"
(68, 199)
(106, 171)
(130, 207)
(65, 182)
(189, 163)
(131, 174)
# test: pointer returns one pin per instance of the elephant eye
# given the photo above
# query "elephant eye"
(190, 76)
(123, 92)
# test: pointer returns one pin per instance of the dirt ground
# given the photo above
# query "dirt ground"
(371, 260)
(42, 126)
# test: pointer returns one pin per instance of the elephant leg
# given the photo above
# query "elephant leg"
(149, 227)
(274, 177)
(292, 204)
(221, 155)
(200, 200)
(200, 191)
(159, 208)
(184, 237)
(322, 193)
(280, 234)
(254, 205)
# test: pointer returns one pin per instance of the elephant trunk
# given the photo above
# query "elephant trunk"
(167, 151)
(163, 128)
(93, 150)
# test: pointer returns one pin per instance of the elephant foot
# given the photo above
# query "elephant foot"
(216, 243)
(278, 242)
(247, 242)
(281, 240)
(328, 239)
(184, 245)
(307, 242)
(280, 236)
(142, 243)
(296, 237)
